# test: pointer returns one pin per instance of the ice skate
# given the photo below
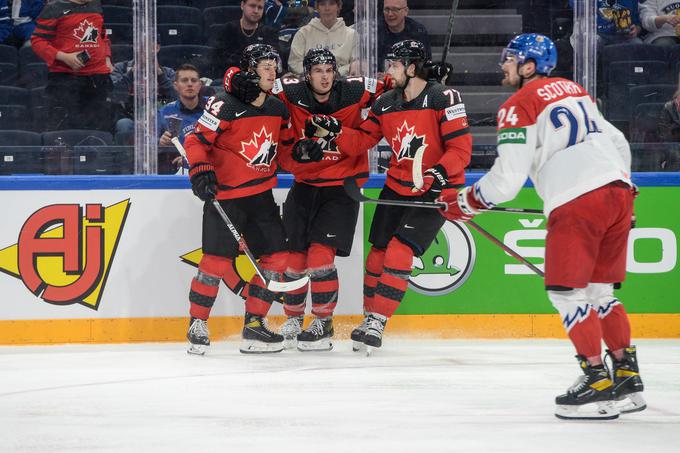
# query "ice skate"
(198, 336)
(290, 330)
(591, 396)
(257, 338)
(358, 335)
(374, 332)
(628, 385)
(317, 337)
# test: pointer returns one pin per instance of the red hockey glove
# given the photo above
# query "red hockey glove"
(462, 206)
(242, 85)
(322, 126)
(306, 151)
(203, 181)
(434, 180)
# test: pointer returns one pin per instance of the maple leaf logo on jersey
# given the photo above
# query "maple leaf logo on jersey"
(86, 32)
(260, 150)
(406, 142)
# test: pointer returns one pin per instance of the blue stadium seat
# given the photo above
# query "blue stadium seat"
(33, 75)
(633, 52)
(8, 74)
(199, 56)
(59, 148)
(26, 56)
(177, 34)
(651, 93)
(8, 54)
(117, 14)
(624, 75)
(19, 138)
(14, 116)
(644, 121)
(20, 152)
(119, 33)
(121, 52)
(220, 15)
(214, 33)
(103, 160)
(14, 95)
(77, 137)
(179, 15)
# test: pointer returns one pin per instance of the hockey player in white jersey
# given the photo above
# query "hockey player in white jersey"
(551, 131)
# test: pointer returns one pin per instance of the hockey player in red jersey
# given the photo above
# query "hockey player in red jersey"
(232, 154)
(320, 218)
(416, 117)
(551, 131)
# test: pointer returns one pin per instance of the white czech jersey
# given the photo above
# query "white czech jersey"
(552, 132)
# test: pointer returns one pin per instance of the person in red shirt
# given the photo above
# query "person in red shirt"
(320, 218)
(418, 116)
(70, 37)
(232, 155)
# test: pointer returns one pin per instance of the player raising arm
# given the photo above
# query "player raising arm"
(551, 131)
(417, 117)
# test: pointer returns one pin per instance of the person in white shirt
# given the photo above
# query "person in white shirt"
(551, 132)
(661, 18)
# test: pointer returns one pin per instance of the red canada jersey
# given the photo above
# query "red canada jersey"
(434, 121)
(69, 27)
(241, 142)
(347, 99)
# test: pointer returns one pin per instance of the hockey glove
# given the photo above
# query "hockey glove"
(322, 126)
(434, 180)
(442, 73)
(203, 181)
(306, 151)
(461, 206)
(242, 85)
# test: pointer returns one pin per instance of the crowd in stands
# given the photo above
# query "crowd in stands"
(83, 79)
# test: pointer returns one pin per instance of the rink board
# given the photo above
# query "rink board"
(109, 259)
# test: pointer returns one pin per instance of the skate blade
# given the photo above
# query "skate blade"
(358, 346)
(197, 349)
(601, 410)
(324, 344)
(290, 343)
(259, 347)
(633, 402)
(369, 350)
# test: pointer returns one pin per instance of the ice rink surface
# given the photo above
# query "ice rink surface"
(410, 396)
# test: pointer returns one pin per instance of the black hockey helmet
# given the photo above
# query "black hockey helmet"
(407, 51)
(254, 53)
(318, 56)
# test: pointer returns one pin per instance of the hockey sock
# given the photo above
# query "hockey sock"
(393, 282)
(294, 301)
(259, 298)
(205, 285)
(324, 279)
(374, 266)
(613, 317)
(587, 336)
(579, 319)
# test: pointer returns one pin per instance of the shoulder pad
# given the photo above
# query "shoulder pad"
(295, 88)
(386, 102)
(440, 97)
(275, 107)
(224, 106)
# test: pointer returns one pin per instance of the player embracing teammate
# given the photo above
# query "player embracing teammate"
(551, 131)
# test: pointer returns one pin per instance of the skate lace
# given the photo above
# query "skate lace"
(374, 324)
(578, 384)
(293, 325)
(316, 327)
(199, 328)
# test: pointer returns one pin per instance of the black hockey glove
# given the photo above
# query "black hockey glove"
(306, 151)
(203, 181)
(442, 73)
(434, 180)
(242, 84)
(322, 126)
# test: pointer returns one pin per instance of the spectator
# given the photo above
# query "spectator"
(18, 22)
(123, 95)
(241, 33)
(397, 26)
(661, 18)
(327, 31)
(70, 37)
(618, 22)
(178, 118)
(668, 128)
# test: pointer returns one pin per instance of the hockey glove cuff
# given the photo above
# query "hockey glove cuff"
(306, 151)
(203, 181)
(434, 180)
(243, 85)
(322, 126)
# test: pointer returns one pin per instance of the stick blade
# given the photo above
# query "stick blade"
(284, 287)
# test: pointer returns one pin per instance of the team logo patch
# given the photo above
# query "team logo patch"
(86, 33)
(209, 121)
(261, 150)
(406, 143)
(64, 255)
(512, 135)
(455, 112)
(446, 264)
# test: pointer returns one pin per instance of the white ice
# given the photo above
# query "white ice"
(410, 396)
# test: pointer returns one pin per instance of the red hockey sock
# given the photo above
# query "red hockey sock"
(394, 278)
(294, 301)
(616, 328)
(324, 279)
(205, 285)
(259, 298)
(587, 335)
(374, 266)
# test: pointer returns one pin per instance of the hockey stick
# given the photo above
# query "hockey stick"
(354, 193)
(271, 285)
(449, 31)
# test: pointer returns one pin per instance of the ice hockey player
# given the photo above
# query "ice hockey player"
(551, 131)
(418, 116)
(232, 156)
(319, 217)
